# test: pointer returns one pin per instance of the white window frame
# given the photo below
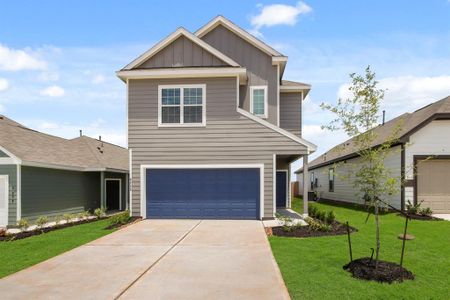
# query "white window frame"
(182, 87)
(266, 108)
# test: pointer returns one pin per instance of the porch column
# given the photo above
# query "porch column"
(102, 190)
(305, 185)
(127, 186)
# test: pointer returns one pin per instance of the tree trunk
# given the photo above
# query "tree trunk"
(377, 233)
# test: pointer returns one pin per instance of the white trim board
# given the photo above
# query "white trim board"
(6, 209)
(266, 102)
(181, 105)
(287, 186)
(172, 37)
(120, 190)
(310, 146)
(12, 158)
(143, 172)
(183, 73)
(220, 20)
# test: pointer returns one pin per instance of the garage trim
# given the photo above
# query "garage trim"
(144, 168)
(416, 161)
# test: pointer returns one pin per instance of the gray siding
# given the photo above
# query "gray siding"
(344, 189)
(260, 70)
(182, 53)
(228, 138)
(3, 154)
(291, 112)
(123, 187)
(11, 171)
(54, 192)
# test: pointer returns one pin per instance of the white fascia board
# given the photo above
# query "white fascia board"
(14, 159)
(220, 20)
(310, 146)
(69, 168)
(184, 73)
(172, 37)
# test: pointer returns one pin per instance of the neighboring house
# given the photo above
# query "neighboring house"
(44, 175)
(422, 156)
(212, 127)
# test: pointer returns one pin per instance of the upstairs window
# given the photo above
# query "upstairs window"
(181, 105)
(258, 101)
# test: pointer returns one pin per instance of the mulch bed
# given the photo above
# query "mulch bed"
(26, 234)
(364, 268)
(422, 217)
(306, 231)
(119, 226)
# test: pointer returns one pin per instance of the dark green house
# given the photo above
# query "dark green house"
(45, 175)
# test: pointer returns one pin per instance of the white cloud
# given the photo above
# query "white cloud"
(17, 60)
(53, 91)
(278, 14)
(4, 84)
(97, 79)
(408, 93)
(48, 76)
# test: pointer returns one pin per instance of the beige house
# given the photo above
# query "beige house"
(422, 157)
(212, 126)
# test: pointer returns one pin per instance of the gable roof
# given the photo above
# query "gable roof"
(39, 149)
(220, 20)
(172, 37)
(410, 123)
(289, 86)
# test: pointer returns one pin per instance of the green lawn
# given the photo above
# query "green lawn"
(312, 267)
(21, 254)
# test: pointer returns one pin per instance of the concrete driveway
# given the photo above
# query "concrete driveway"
(159, 259)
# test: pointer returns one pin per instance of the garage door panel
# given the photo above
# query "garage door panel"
(203, 193)
(433, 188)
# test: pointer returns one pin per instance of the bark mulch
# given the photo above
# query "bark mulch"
(422, 217)
(306, 231)
(364, 268)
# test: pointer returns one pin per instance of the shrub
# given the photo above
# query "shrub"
(426, 211)
(321, 215)
(68, 218)
(23, 224)
(58, 219)
(120, 219)
(331, 217)
(41, 221)
(317, 226)
(312, 210)
(100, 212)
(85, 214)
(413, 208)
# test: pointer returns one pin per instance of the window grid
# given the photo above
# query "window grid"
(258, 95)
(182, 105)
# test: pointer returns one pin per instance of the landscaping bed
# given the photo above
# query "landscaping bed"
(422, 217)
(38, 231)
(364, 268)
(336, 228)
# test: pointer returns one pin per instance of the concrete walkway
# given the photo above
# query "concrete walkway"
(159, 259)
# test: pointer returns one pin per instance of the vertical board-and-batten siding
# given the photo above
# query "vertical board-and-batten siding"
(432, 139)
(182, 53)
(227, 138)
(260, 70)
(50, 192)
(11, 171)
(344, 189)
(291, 112)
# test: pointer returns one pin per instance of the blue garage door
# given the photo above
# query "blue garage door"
(203, 193)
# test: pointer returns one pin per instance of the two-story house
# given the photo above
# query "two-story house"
(212, 126)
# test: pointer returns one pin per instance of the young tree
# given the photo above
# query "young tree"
(358, 115)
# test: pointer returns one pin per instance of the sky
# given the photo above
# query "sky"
(58, 58)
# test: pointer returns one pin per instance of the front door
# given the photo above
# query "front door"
(3, 200)
(113, 194)
(281, 185)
